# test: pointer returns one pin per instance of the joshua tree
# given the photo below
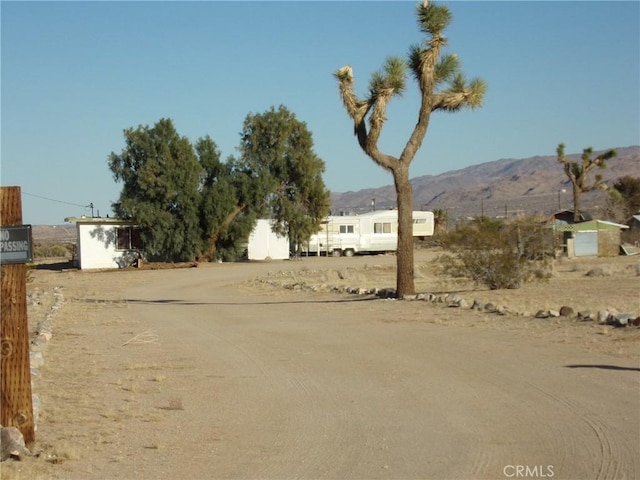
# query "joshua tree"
(579, 171)
(443, 87)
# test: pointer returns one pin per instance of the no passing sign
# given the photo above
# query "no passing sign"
(16, 244)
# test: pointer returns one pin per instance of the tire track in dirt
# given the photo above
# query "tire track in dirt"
(609, 450)
(566, 430)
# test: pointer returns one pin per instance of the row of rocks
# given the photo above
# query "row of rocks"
(604, 317)
(39, 342)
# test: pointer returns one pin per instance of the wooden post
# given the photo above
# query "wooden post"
(17, 405)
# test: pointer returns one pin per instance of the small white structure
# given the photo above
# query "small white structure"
(264, 244)
(106, 243)
(373, 232)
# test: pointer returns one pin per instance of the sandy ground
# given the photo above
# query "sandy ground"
(219, 372)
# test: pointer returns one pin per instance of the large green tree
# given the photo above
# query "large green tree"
(229, 203)
(160, 174)
(192, 205)
(578, 173)
(277, 157)
(442, 86)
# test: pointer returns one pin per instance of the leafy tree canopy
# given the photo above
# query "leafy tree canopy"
(626, 191)
(192, 205)
(277, 155)
(160, 174)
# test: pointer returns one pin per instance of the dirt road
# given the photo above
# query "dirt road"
(188, 374)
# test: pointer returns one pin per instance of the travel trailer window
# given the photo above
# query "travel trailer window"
(382, 227)
(346, 228)
(129, 238)
(419, 220)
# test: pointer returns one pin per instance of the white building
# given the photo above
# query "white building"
(106, 243)
(264, 244)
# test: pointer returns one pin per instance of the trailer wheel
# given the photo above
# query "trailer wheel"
(337, 253)
(349, 252)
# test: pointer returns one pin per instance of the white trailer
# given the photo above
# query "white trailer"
(373, 232)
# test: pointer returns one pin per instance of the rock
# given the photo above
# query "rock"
(554, 313)
(453, 300)
(585, 316)
(598, 272)
(542, 314)
(12, 444)
(566, 311)
(490, 308)
(36, 359)
(387, 293)
(477, 305)
(621, 319)
(37, 406)
(603, 316)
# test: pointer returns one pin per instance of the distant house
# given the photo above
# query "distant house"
(566, 217)
(634, 222)
(591, 238)
(106, 243)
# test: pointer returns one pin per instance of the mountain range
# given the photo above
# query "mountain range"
(502, 188)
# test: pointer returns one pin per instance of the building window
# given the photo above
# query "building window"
(129, 238)
(346, 229)
(382, 227)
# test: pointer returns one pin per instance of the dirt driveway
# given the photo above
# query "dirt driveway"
(204, 373)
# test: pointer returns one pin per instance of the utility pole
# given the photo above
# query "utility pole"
(16, 409)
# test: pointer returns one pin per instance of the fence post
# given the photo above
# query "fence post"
(16, 408)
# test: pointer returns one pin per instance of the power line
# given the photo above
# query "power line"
(58, 201)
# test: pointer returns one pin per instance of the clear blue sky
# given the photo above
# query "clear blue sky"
(76, 74)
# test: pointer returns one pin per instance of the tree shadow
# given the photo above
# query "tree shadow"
(284, 302)
(606, 367)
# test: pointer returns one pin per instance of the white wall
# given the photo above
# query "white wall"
(97, 246)
(264, 244)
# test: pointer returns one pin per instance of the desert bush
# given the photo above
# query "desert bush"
(49, 250)
(497, 255)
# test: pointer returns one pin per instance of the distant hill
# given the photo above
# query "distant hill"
(54, 233)
(536, 185)
(509, 186)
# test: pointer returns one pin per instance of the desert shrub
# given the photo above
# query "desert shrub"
(497, 255)
(49, 250)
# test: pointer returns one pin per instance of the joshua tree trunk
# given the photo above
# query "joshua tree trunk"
(404, 190)
(577, 192)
